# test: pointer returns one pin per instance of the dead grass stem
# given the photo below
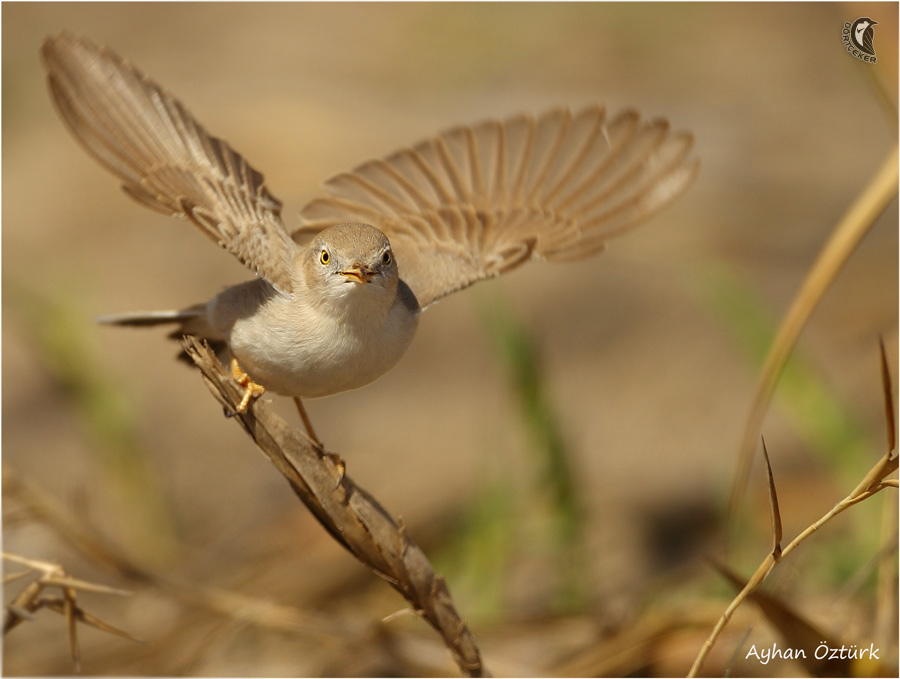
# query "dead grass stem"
(873, 482)
(352, 516)
(855, 224)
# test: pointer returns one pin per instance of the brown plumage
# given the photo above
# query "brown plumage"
(334, 314)
(476, 202)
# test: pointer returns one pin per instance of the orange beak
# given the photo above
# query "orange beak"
(356, 274)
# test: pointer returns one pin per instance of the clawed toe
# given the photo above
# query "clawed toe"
(338, 462)
(251, 389)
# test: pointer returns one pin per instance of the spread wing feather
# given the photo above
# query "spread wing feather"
(166, 159)
(475, 202)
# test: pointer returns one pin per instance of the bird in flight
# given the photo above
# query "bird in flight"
(335, 303)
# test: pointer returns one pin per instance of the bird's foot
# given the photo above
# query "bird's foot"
(251, 389)
(338, 462)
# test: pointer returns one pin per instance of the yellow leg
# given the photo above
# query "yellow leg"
(251, 388)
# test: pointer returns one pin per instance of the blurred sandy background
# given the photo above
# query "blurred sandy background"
(643, 351)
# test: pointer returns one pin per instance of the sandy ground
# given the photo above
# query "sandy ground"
(651, 381)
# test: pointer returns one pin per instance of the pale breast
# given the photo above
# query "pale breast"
(297, 349)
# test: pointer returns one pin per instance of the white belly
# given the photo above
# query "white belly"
(296, 350)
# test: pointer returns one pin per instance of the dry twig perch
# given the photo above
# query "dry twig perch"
(34, 597)
(352, 516)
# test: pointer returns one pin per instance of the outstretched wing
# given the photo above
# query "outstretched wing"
(475, 202)
(165, 158)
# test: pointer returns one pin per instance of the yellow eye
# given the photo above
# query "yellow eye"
(324, 258)
(386, 258)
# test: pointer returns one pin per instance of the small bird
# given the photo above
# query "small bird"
(336, 303)
(864, 34)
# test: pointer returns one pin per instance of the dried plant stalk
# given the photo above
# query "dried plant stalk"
(34, 597)
(352, 516)
(237, 606)
(873, 482)
(842, 242)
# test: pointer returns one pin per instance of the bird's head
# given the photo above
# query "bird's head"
(347, 261)
(863, 23)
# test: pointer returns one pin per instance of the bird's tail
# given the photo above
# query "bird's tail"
(147, 318)
(190, 321)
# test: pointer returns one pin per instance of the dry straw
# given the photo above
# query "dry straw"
(352, 516)
(874, 481)
(35, 596)
(855, 224)
(843, 241)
